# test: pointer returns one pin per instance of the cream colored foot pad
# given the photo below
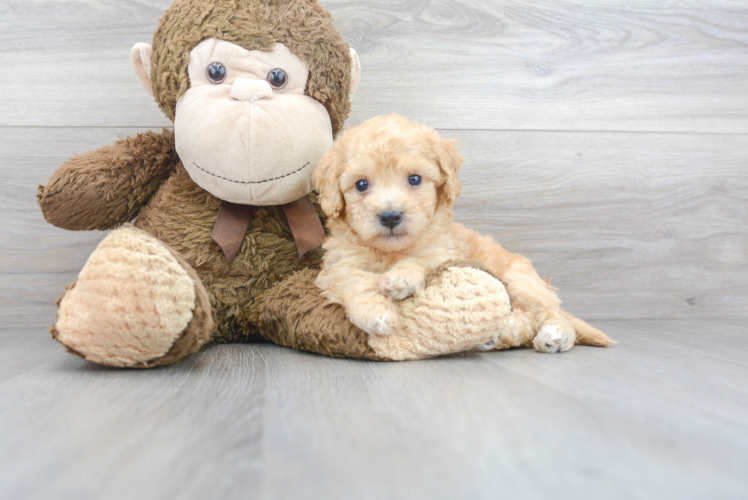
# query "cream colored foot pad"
(131, 302)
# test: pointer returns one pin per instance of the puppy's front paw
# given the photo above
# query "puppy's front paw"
(554, 338)
(401, 283)
(378, 319)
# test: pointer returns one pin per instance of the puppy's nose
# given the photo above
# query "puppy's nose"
(390, 219)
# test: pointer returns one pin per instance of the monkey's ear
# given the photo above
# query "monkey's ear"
(355, 72)
(449, 161)
(140, 57)
(326, 180)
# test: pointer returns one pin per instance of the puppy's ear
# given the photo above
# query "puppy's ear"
(327, 183)
(449, 161)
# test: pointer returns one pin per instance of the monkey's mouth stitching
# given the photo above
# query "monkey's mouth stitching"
(253, 182)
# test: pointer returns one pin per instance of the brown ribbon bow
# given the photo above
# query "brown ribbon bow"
(233, 221)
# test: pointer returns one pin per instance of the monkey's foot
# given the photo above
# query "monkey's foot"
(462, 307)
(136, 303)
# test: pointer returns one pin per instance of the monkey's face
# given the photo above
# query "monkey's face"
(245, 131)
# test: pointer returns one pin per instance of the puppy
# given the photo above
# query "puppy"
(388, 187)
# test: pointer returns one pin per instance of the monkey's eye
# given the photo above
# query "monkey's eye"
(277, 78)
(362, 185)
(415, 180)
(217, 72)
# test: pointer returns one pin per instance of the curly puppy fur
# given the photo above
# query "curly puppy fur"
(412, 172)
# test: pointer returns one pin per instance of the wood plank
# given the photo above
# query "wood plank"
(75, 62)
(630, 225)
(475, 430)
(560, 65)
(110, 424)
(24, 349)
(662, 414)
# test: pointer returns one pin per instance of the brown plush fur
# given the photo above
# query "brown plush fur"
(294, 314)
(142, 178)
(305, 27)
(182, 215)
(105, 188)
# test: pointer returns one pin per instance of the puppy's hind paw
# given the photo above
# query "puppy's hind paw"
(488, 346)
(553, 338)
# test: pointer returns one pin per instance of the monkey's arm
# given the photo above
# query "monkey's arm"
(106, 187)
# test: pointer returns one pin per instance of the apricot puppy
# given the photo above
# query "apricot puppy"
(388, 187)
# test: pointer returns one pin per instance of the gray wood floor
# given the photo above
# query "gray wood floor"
(606, 140)
(662, 414)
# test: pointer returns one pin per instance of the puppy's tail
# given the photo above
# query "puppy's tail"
(587, 334)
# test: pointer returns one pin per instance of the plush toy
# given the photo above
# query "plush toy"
(257, 90)
(224, 246)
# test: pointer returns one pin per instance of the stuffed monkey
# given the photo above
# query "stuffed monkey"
(224, 241)
(257, 90)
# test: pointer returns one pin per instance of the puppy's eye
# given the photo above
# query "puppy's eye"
(415, 180)
(277, 78)
(217, 72)
(362, 185)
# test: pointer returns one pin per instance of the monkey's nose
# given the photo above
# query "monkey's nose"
(390, 219)
(246, 89)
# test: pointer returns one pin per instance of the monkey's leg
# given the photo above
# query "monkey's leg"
(461, 307)
(136, 303)
(294, 314)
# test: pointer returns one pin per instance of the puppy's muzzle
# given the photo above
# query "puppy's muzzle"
(390, 219)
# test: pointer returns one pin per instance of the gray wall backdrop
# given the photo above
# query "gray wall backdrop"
(607, 141)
